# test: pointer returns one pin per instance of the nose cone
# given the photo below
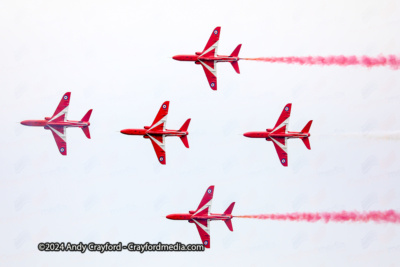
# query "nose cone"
(171, 216)
(179, 57)
(246, 134)
(125, 131)
(27, 123)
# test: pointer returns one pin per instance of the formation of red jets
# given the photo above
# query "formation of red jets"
(157, 132)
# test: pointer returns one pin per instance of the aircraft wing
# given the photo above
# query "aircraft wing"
(160, 121)
(62, 109)
(205, 203)
(60, 136)
(203, 226)
(212, 45)
(210, 69)
(283, 121)
(158, 142)
(280, 144)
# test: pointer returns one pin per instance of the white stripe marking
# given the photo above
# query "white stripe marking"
(212, 70)
(207, 205)
(284, 147)
(62, 136)
(206, 229)
(161, 145)
(214, 46)
(64, 111)
(163, 120)
(284, 123)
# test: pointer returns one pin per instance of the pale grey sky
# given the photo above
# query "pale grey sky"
(115, 57)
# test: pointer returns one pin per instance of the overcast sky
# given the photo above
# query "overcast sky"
(116, 58)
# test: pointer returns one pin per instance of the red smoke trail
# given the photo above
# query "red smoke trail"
(389, 216)
(391, 60)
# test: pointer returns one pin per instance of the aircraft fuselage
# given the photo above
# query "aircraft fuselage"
(146, 131)
(269, 134)
(190, 216)
(197, 58)
(55, 124)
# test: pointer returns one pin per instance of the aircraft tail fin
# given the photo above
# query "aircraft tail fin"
(306, 128)
(86, 131)
(229, 209)
(229, 224)
(235, 65)
(184, 128)
(306, 142)
(235, 52)
(86, 118)
(185, 141)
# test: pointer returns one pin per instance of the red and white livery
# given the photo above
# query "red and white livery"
(202, 216)
(280, 134)
(58, 123)
(157, 132)
(208, 58)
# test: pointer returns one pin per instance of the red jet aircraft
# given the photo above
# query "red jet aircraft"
(280, 134)
(209, 58)
(157, 132)
(202, 216)
(58, 123)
